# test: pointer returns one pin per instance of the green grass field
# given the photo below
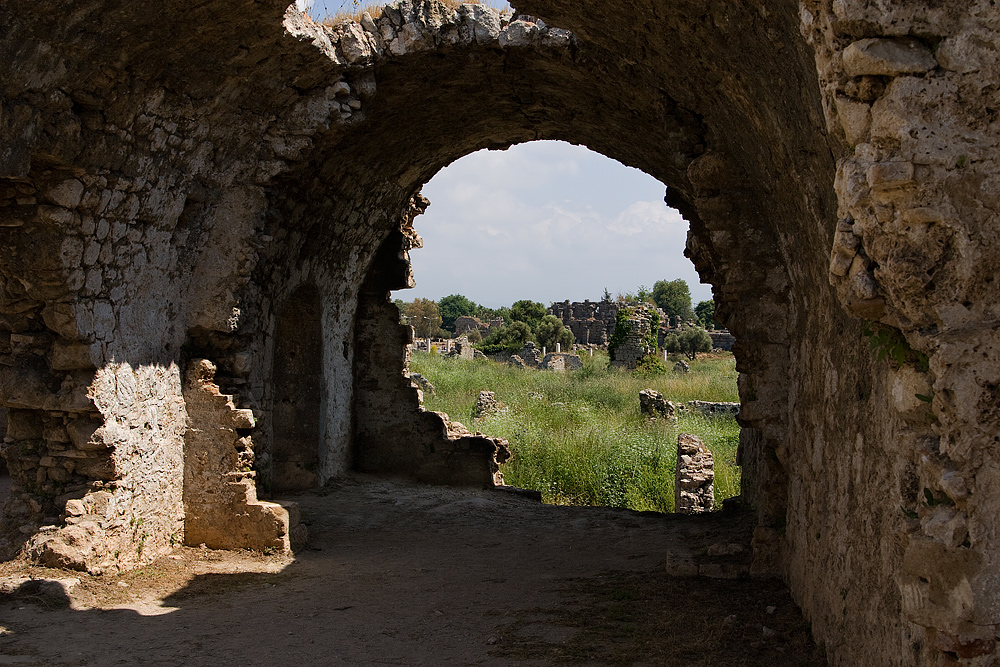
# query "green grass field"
(579, 437)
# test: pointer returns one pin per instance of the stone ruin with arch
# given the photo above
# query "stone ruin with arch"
(204, 206)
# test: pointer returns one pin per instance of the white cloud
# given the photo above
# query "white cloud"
(546, 221)
(645, 216)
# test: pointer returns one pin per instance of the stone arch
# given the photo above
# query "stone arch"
(836, 162)
(541, 85)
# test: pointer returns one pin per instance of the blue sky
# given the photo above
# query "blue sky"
(546, 221)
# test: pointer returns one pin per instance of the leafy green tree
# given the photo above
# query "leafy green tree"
(516, 335)
(529, 312)
(694, 340)
(704, 311)
(551, 331)
(673, 297)
(424, 316)
(503, 312)
(454, 306)
(508, 339)
(671, 343)
(644, 294)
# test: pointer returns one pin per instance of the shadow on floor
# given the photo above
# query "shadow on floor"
(398, 574)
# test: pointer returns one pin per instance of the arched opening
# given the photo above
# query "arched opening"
(580, 237)
(782, 130)
(298, 392)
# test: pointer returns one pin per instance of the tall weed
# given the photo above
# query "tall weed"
(579, 437)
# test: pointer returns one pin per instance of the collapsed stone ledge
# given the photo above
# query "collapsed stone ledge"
(221, 509)
(412, 26)
(462, 458)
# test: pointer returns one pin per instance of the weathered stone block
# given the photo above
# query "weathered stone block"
(68, 356)
(652, 404)
(694, 476)
(887, 57)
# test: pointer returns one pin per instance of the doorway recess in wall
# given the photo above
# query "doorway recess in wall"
(298, 391)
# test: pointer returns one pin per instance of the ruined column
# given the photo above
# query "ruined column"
(694, 478)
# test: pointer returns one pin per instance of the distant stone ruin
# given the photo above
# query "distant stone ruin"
(722, 340)
(592, 323)
(710, 409)
(487, 404)
(636, 334)
(561, 361)
(466, 323)
(531, 357)
(462, 349)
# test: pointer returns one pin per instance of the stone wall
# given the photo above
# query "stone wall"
(722, 340)
(694, 476)
(169, 179)
(221, 509)
(592, 323)
(393, 433)
(465, 324)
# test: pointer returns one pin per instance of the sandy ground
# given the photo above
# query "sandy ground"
(401, 574)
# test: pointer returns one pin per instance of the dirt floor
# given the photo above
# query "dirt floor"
(407, 575)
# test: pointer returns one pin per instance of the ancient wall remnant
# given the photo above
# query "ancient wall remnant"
(722, 340)
(466, 323)
(561, 361)
(170, 178)
(592, 323)
(393, 433)
(221, 509)
(636, 335)
(463, 349)
(654, 405)
(694, 476)
(713, 409)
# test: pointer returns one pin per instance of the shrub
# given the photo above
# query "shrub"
(551, 331)
(671, 343)
(704, 312)
(508, 339)
(650, 365)
(694, 340)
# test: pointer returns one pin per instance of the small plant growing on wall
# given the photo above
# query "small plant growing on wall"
(623, 327)
(889, 343)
